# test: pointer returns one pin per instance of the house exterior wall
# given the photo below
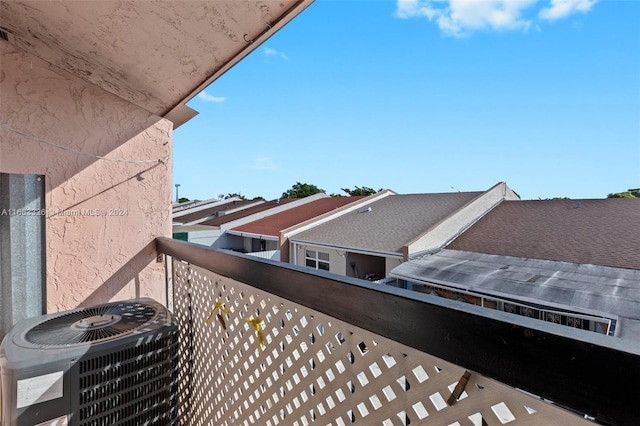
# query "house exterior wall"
(246, 244)
(390, 264)
(337, 259)
(340, 260)
(283, 248)
(272, 245)
(212, 238)
(101, 216)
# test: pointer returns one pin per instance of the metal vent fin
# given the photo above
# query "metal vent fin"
(93, 324)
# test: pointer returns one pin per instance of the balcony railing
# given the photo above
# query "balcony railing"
(269, 343)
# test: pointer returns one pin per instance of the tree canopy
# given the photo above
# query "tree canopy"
(629, 193)
(301, 190)
(365, 190)
(242, 197)
(235, 194)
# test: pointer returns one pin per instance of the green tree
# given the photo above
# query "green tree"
(183, 200)
(365, 190)
(242, 197)
(629, 193)
(301, 190)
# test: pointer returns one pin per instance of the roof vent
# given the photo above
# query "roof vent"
(7, 36)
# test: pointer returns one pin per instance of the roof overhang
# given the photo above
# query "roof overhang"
(155, 54)
(252, 235)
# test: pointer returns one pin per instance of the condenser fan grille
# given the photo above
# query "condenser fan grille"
(90, 324)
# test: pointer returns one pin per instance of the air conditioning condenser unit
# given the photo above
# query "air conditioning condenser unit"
(111, 364)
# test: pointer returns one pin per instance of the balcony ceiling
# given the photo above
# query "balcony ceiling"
(155, 54)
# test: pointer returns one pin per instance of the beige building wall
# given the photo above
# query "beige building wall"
(337, 262)
(390, 264)
(338, 259)
(102, 216)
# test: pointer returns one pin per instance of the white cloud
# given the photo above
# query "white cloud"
(264, 163)
(204, 96)
(459, 18)
(411, 8)
(268, 51)
(563, 8)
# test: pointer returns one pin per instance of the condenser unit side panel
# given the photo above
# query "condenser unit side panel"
(35, 395)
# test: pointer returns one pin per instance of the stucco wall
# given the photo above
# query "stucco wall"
(102, 216)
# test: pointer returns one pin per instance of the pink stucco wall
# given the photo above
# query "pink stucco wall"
(102, 216)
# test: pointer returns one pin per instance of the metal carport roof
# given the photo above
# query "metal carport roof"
(590, 289)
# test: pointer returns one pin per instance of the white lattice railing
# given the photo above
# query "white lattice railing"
(315, 368)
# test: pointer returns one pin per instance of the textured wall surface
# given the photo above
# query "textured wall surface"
(183, 43)
(102, 215)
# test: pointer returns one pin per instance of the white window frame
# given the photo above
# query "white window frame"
(312, 259)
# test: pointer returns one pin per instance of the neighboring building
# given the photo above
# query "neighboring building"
(369, 242)
(199, 213)
(211, 231)
(259, 211)
(573, 262)
(90, 97)
(266, 235)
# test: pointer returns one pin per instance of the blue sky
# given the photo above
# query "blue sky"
(426, 96)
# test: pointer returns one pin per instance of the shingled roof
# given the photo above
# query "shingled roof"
(391, 222)
(221, 220)
(273, 224)
(602, 232)
(204, 213)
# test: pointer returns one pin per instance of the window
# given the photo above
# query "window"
(316, 259)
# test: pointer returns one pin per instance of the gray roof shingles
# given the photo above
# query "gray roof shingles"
(392, 222)
(602, 232)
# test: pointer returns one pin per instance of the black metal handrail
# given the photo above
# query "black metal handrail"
(586, 372)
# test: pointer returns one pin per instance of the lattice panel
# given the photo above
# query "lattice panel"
(315, 369)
